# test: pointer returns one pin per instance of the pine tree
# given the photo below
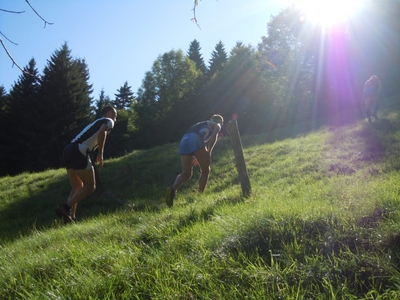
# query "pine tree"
(3, 100)
(219, 57)
(24, 106)
(66, 108)
(195, 55)
(103, 101)
(4, 134)
(124, 97)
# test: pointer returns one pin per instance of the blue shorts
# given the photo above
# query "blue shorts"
(74, 159)
(369, 92)
(190, 143)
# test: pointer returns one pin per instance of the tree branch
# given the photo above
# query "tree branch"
(14, 62)
(45, 22)
(12, 11)
(8, 38)
(194, 19)
(4, 46)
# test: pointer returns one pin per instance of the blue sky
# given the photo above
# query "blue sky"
(121, 39)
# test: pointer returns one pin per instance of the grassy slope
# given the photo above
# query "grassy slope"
(322, 222)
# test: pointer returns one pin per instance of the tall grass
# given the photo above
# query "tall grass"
(322, 222)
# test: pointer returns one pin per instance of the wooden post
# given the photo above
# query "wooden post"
(233, 131)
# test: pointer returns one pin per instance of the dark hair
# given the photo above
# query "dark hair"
(107, 109)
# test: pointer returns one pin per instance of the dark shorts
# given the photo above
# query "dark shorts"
(74, 159)
(190, 143)
(370, 97)
(370, 92)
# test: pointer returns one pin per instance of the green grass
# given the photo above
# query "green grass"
(322, 222)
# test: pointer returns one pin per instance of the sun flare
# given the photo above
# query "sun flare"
(329, 12)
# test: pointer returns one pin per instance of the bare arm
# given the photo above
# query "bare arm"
(101, 142)
(379, 86)
(213, 139)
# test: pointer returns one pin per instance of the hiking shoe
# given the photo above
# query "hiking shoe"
(169, 196)
(65, 213)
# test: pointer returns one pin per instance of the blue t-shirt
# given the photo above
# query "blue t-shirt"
(201, 128)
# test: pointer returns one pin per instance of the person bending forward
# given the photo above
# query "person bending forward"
(78, 162)
(195, 149)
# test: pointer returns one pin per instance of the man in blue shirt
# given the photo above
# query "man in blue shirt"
(195, 149)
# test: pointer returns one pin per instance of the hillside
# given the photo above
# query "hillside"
(322, 222)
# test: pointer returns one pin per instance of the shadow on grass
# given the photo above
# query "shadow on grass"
(140, 177)
(345, 251)
(135, 182)
(32, 212)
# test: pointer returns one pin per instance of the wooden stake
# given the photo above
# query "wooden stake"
(233, 131)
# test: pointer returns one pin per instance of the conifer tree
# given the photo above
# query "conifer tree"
(24, 113)
(66, 108)
(124, 97)
(4, 134)
(218, 59)
(103, 101)
(195, 55)
(3, 99)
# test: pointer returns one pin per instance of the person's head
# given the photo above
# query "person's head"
(109, 112)
(217, 119)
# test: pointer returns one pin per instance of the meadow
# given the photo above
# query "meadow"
(322, 222)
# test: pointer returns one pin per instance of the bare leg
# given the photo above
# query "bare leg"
(204, 160)
(376, 107)
(73, 210)
(76, 184)
(83, 184)
(187, 171)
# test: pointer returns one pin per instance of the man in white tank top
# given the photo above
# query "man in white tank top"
(78, 161)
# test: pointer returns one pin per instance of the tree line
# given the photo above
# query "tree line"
(297, 73)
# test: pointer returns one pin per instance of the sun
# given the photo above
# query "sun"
(327, 13)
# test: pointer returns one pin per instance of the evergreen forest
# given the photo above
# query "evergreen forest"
(297, 73)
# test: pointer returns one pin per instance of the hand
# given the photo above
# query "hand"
(194, 162)
(100, 160)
